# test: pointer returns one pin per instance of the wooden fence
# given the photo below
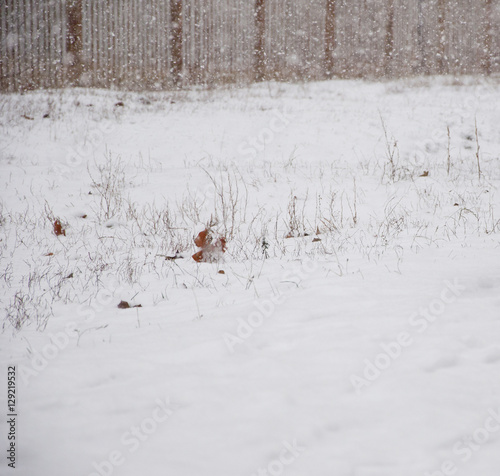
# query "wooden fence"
(159, 44)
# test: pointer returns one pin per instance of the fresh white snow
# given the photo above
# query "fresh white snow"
(355, 330)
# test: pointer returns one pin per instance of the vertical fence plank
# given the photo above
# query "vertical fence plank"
(74, 41)
(330, 32)
(176, 41)
(260, 47)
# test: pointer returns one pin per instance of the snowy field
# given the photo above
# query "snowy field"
(350, 328)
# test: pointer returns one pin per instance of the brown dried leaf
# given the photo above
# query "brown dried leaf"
(198, 257)
(202, 239)
(126, 305)
(58, 229)
(221, 244)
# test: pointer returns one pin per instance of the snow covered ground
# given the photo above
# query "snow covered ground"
(352, 327)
